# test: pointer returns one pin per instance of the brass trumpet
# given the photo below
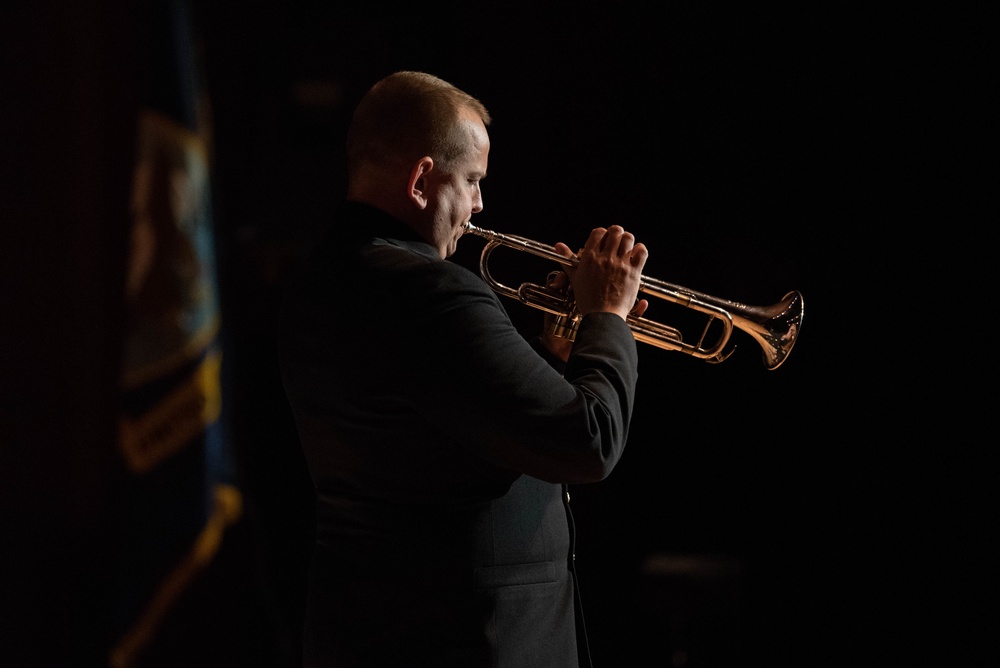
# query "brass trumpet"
(774, 327)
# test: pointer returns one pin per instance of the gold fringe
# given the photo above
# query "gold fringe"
(175, 421)
(228, 509)
(196, 343)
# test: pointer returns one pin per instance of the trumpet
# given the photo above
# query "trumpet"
(775, 328)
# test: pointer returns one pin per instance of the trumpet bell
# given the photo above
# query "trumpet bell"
(775, 328)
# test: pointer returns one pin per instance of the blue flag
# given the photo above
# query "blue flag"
(179, 496)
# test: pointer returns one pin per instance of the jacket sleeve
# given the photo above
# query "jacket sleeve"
(484, 385)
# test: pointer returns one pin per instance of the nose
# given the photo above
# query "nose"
(477, 201)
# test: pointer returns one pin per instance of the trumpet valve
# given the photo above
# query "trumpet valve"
(565, 326)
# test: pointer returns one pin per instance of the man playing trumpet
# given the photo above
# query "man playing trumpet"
(439, 440)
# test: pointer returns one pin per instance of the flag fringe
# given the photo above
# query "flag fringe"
(227, 510)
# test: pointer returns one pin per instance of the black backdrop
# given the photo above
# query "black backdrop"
(754, 151)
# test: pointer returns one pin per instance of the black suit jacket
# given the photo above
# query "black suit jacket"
(439, 441)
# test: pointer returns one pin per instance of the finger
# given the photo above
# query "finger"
(639, 255)
(595, 240)
(556, 279)
(563, 250)
(626, 243)
(612, 240)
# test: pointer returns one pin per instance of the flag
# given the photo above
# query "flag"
(179, 494)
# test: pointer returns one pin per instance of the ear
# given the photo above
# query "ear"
(416, 186)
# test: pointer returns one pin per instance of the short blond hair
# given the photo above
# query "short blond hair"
(406, 116)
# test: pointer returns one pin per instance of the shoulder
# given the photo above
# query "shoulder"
(419, 263)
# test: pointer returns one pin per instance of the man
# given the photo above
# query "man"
(439, 440)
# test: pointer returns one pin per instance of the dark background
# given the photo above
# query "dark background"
(754, 151)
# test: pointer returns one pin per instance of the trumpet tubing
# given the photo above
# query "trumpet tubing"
(775, 328)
